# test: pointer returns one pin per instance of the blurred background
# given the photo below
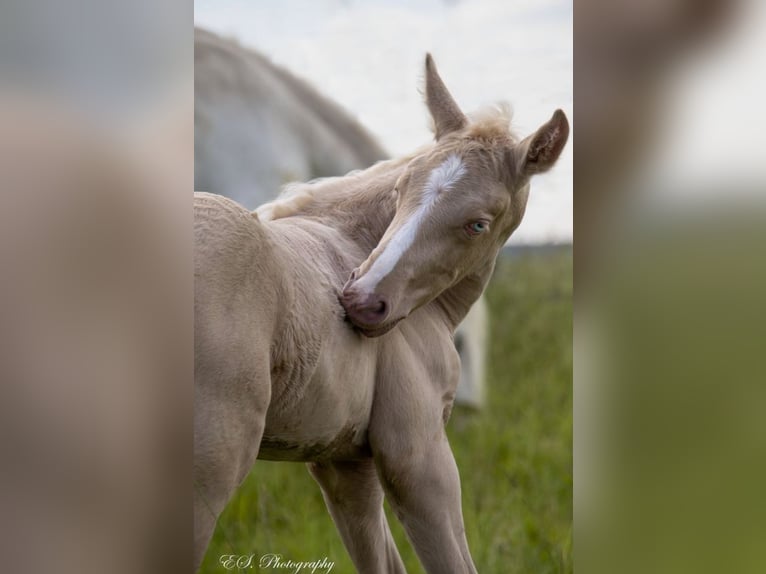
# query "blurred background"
(670, 438)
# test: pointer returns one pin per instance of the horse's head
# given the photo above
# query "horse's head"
(457, 204)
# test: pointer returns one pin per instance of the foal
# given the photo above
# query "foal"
(324, 325)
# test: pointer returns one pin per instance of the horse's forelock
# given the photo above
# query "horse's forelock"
(492, 123)
(490, 130)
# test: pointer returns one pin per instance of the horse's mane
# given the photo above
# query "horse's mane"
(296, 197)
(492, 122)
(488, 127)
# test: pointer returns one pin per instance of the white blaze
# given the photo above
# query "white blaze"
(440, 179)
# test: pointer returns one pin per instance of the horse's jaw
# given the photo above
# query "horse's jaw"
(373, 332)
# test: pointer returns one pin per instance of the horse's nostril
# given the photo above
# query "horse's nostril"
(381, 308)
(369, 310)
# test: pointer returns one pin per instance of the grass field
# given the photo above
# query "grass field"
(515, 457)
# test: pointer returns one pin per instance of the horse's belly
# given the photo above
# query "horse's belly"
(349, 444)
(327, 417)
(326, 436)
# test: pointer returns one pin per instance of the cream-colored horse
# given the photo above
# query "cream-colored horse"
(324, 325)
(258, 127)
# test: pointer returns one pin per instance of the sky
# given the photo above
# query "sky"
(368, 56)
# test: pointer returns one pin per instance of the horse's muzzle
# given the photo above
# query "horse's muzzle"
(366, 311)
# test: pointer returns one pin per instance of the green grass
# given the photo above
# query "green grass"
(515, 457)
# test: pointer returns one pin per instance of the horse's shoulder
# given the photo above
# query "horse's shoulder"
(422, 343)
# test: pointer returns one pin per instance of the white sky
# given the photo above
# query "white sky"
(368, 55)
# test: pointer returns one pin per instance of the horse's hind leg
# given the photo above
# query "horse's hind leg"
(229, 420)
(354, 498)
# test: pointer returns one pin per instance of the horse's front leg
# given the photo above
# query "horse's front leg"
(354, 498)
(420, 477)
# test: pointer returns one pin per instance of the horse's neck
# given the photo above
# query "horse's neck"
(360, 206)
(455, 302)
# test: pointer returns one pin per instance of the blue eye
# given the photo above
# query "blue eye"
(477, 227)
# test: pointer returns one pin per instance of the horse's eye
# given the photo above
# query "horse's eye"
(477, 227)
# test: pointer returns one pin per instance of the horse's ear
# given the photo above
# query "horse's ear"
(444, 111)
(544, 147)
